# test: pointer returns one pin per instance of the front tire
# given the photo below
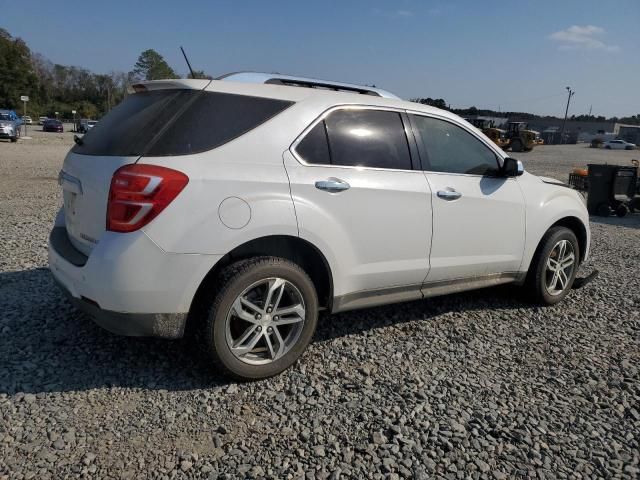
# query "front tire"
(554, 266)
(262, 317)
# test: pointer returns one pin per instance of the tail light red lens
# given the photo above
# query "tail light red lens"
(139, 193)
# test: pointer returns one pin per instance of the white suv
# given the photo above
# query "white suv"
(242, 207)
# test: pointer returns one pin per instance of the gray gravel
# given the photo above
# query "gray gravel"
(476, 385)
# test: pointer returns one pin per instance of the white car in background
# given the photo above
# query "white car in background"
(619, 144)
(242, 207)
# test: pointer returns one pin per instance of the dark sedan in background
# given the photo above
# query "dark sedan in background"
(52, 125)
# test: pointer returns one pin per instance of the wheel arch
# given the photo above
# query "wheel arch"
(294, 249)
(572, 223)
(578, 228)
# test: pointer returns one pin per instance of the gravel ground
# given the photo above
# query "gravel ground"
(475, 385)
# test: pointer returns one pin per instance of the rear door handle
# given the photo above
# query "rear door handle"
(332, 185)
(449, 194)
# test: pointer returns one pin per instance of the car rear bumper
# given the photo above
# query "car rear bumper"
(163, 325)
(128, 285)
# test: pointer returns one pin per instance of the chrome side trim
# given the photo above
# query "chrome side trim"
(407, 293)
(445, 287)
(372, 298)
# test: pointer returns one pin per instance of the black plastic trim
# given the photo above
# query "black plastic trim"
(161, 325)
(62, 245)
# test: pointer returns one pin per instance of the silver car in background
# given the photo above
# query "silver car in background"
(9, 125)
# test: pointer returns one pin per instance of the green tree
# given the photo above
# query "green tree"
(437, 102)
(152, 66)
(199, 74)
(16, 71)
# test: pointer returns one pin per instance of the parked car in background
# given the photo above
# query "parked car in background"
(41, 120)
(52, 125)
(241, 208)
(27, 120)
(10, 125)
(619, 144)
(84, 125)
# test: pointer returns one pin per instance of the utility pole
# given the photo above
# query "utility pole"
(571, 94)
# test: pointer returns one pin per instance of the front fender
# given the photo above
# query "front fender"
(546, 205)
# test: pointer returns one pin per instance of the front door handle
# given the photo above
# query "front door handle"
(449, 195)
(332, 185)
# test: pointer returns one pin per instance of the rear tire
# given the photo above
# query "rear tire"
(554, 266)
(244, 333)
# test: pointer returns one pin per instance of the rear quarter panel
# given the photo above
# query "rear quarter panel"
(249, 168)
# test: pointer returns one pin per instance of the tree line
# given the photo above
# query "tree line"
(472, 111)
(59, 88)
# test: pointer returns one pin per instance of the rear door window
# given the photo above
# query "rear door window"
(358, 138)
(368, 138)
(176, 122)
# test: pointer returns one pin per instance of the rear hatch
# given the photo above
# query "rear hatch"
(129, 131)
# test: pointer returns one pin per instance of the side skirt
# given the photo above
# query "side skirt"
(407, 293)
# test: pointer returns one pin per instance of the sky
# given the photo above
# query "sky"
(513, 55)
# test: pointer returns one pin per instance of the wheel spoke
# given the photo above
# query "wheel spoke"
(567, 261)
(249, 333)
(554, 281)
(241, 312)
(552, 264)
(562, 277)
(288, 320)
(274, 294)
(272, 352)
(294, 309)
(280, 351)
(562, 249)
(250, 305)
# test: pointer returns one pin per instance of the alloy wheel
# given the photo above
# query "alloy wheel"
(560, 265)
(265, 321)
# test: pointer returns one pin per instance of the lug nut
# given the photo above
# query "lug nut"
(269, 329)
(276, 318)
(258, 329)
(258, 316)
(269, 309)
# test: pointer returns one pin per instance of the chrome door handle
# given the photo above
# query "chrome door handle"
(333, 185)
(449, 194)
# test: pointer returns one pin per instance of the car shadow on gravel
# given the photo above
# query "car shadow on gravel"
(48, 346)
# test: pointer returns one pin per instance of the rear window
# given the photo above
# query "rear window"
(176, 122)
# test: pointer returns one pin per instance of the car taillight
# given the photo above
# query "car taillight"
(139, 193)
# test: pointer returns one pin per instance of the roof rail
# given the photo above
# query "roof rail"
(292, 81)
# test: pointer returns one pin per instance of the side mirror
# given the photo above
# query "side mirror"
(512, 167)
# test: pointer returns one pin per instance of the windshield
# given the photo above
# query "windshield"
(4, 116)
